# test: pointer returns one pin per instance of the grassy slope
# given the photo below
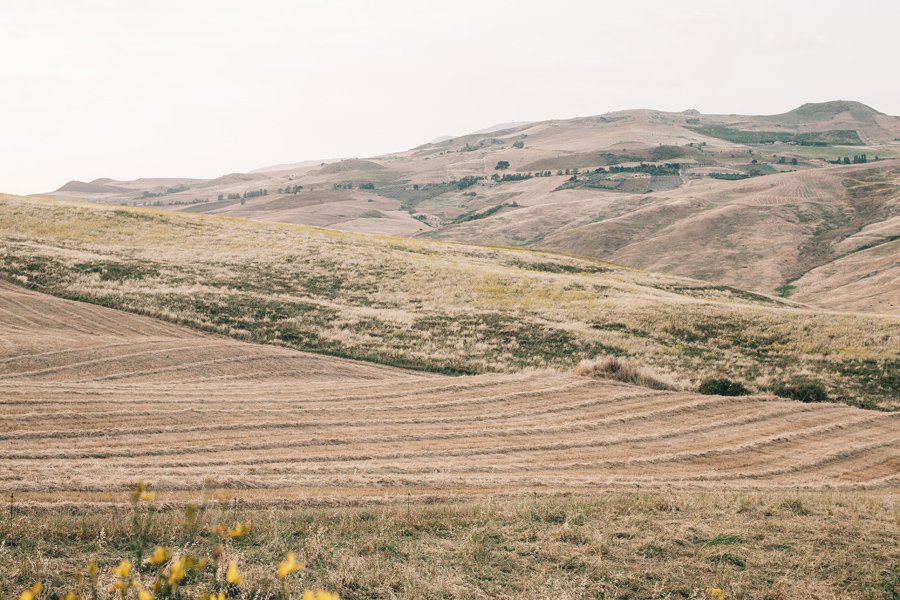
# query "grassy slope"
(758, 234)
(433, 306)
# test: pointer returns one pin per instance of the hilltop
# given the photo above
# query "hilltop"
(684, 193)
(437, 307)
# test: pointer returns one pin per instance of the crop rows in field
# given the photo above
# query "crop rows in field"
(92, 399)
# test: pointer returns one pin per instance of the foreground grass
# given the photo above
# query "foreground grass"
(618, 545)
(434, 306)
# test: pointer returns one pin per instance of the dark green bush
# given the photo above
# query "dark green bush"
(723, 387)
(804, 391)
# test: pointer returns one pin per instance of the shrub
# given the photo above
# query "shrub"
(503, 164)
(804, 391)
(723, 387)
(615, 368)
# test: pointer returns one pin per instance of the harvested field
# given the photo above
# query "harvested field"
(434, 306)
(92, 399)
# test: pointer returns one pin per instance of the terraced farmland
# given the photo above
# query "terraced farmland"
(92, 399)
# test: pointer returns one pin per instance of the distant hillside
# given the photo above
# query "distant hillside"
(294, 166)
(820, 111)
(684, 193)
(760, 233)
(94, 187)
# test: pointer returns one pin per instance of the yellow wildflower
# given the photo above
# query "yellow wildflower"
(160, 555)
(32, 592)
(145, 595)
(70, 596)
(715, 593)
(92, 569)
(319, 595)
(221, 596)
(240, 530)
(231, 575)
(288, 565)
(123, 569)
(177, 571)
(140, 493)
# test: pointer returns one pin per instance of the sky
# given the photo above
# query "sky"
(158, 88)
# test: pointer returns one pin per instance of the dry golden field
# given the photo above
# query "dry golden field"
(519, 479)
(436, 306)
(394, 484)
(648, 545)
(92, 400)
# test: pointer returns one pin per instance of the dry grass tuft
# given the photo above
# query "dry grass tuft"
(613, 367)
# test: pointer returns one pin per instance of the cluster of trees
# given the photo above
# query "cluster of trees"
(501, 165)
(177, 202)
(348, 185)
(730, 176)
(664, 169)
(512, 177)
(243, 197)
(857, 159)
(468, 181)
(782, 160)
(171, 190)
(481, 144)
(473, 215)
(291, 189)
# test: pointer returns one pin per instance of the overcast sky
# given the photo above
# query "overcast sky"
(133, 88)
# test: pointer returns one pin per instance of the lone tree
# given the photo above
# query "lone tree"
(503, 164)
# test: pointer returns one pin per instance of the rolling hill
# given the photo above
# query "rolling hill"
(752, 201)
(759, 234)
(434, 306)
(410, 484)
